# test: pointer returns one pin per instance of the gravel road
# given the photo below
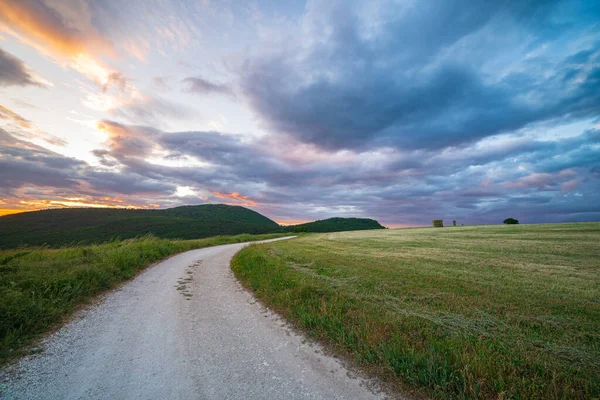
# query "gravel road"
(183, 329)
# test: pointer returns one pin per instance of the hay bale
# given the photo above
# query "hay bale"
(438, 223)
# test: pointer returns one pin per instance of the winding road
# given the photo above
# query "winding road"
(182, 329)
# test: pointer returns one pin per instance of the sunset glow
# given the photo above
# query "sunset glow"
(236, 199)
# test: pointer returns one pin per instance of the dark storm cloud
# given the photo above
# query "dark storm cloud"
(13, 72)
(418, 81)
(199, 85)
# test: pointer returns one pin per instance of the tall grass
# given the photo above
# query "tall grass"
(474, 312)
(39, 287)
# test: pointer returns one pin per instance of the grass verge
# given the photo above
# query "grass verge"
(469, 312)
(40, 287)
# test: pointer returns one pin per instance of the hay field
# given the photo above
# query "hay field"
(459, 312)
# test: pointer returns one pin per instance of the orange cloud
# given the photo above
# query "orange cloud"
(26, 129)
(286, 222)
(239, 200)
(112, 129)
(10, 115)
(8, 211)
(64, 29)
(19, 206)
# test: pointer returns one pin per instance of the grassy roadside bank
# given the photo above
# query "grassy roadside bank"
(40, 287)
(473, 312)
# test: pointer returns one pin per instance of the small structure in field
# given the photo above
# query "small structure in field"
(438, 223)
(453, 223)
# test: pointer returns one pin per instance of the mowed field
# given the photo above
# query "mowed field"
(457, 312)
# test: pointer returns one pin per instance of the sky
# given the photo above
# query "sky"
(403, 111)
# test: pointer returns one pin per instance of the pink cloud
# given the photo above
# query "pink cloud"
(543, 180)
(569, 186)
(486, 183)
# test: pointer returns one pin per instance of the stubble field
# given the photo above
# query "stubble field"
(465, 312)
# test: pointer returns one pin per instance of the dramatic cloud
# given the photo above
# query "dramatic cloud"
(34, 177)
(389, 185)
(402, 111)
(73, 33)
(421, 79)
(14, 72)
(63, 30)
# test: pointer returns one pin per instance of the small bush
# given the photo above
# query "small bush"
(511, 221)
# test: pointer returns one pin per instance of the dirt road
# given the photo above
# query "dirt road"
(183, 329)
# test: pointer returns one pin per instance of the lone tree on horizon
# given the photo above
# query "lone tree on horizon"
(511, 221)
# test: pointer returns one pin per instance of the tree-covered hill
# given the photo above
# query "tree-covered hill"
(336, 225)
(68, 226)
(60, 227)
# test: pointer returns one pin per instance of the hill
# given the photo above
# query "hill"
(336, 225)
(60, 227)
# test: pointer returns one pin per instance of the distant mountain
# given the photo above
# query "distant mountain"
(336, 225)
(60, 227)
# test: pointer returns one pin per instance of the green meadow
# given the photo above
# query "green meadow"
(460, 312)
(40, 287)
